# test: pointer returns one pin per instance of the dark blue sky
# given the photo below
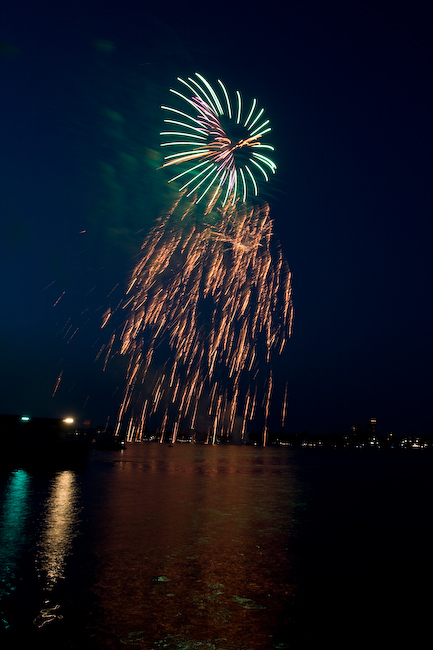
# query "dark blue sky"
(347, 87)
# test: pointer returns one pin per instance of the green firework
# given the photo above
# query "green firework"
(216, 144)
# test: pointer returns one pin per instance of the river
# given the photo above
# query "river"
(220, 547)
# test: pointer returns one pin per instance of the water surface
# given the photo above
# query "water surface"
(218, 548)
(183, 545)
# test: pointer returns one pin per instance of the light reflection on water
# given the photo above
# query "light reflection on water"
(15, 512)
(196, 546)
(58, 529)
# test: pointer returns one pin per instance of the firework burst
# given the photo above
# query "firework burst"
(218, 144)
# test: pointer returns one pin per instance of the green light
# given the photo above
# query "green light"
(218, 188)
(210, 184)
(202, 180)
(25, 418)
(266, 160)
(184, 153)
(188, 135)
(188, 171)
(259, 114)
(238, 119)
(187, 126)
(203, 171)
(250, 113)
(229, 110)
(208, 99)
(202, 139)
(188, 144)
(212, 92)
(256, 191)
(175, 110)
(260, 127)
(261, 168)
(188, 100)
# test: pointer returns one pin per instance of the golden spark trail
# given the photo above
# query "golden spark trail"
(284, 408)
(207, 308)
(59, 379)
(59, 298)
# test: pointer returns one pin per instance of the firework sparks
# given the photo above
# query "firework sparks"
(58, 380)
(220, 299)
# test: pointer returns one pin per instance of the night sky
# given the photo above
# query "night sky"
(347, 87)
